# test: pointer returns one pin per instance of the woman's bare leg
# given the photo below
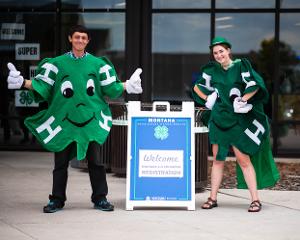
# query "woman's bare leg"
(216, 175)
(248, 172)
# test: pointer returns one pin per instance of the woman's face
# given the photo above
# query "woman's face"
(221, 54)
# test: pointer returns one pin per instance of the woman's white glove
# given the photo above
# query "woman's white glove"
(15, 80)
(133, 85)
(241, 106)
(211, 100)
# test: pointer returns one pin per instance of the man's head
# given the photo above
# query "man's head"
(79, 37)
(80, 29)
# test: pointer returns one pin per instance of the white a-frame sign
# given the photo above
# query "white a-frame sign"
(160, 157)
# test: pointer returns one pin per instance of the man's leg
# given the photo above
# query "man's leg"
(98, 178)
(60, 178)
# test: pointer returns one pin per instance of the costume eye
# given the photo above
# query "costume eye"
(90, 87)
(67, 89)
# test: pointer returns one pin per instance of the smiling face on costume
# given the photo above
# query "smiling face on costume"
(221, 54)
(83, 94)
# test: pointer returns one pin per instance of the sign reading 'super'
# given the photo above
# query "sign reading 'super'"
(27, 51)
(160, 167)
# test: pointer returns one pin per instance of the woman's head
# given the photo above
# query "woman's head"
(221, 50)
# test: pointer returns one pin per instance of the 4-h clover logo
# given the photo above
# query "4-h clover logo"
(161, 132)
(25, 98)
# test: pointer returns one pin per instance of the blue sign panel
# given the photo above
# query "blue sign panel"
(161, 159)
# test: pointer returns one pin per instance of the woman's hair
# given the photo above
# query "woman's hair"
(78, 28)
(222, 44)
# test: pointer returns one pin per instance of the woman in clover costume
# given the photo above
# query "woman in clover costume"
(235, 94)
(78, 119)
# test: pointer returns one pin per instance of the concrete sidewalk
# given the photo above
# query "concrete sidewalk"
(26, 180)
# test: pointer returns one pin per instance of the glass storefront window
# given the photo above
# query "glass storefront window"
(251, 35)
(92, 4)
(24, 42)
(180, 4)
(107, 35)
(245, 30)
(290, 4)
(179, 47)
(289, 137)
(289, 59)
(45, 4)
(237, 4)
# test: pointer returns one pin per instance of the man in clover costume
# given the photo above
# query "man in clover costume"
(235, 94)
(78, 119)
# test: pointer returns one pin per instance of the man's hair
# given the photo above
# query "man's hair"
(79, 28)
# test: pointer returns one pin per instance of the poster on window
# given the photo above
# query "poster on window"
(12, 31)
(160, 157)
(27, 51)
(32, 71)
(24, 99)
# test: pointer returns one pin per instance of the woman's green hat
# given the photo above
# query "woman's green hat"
(219, 40)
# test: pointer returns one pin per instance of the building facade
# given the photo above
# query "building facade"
(169, 39)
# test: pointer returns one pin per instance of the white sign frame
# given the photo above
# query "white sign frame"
(134, 110)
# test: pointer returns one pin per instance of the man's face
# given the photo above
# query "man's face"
(79, 41)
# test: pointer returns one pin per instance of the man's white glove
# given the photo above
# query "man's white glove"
(211, 99)
(14, 79)
(241, 106)
(133, 85)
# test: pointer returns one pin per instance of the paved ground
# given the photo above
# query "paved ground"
(25, 182)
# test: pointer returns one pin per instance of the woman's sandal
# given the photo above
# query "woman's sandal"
(209, 204)
(255, 206)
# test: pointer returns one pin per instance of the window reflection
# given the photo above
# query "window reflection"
(12, 112)
(289, 84)
(47, 4)
(252, 36)
(107, 4)
(181, 3)
(179, 47)
(107, 35)
(289, 137)
(246, 30)
(290, 4)
(236, 4)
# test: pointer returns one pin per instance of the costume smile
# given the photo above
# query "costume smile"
(79, 124)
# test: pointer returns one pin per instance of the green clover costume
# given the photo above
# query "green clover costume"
(249, 132)
(75, 90)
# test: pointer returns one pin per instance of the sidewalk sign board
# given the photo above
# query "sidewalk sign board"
(160, 157)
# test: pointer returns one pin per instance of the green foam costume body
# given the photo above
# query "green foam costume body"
(75, 90)
(249, 132)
